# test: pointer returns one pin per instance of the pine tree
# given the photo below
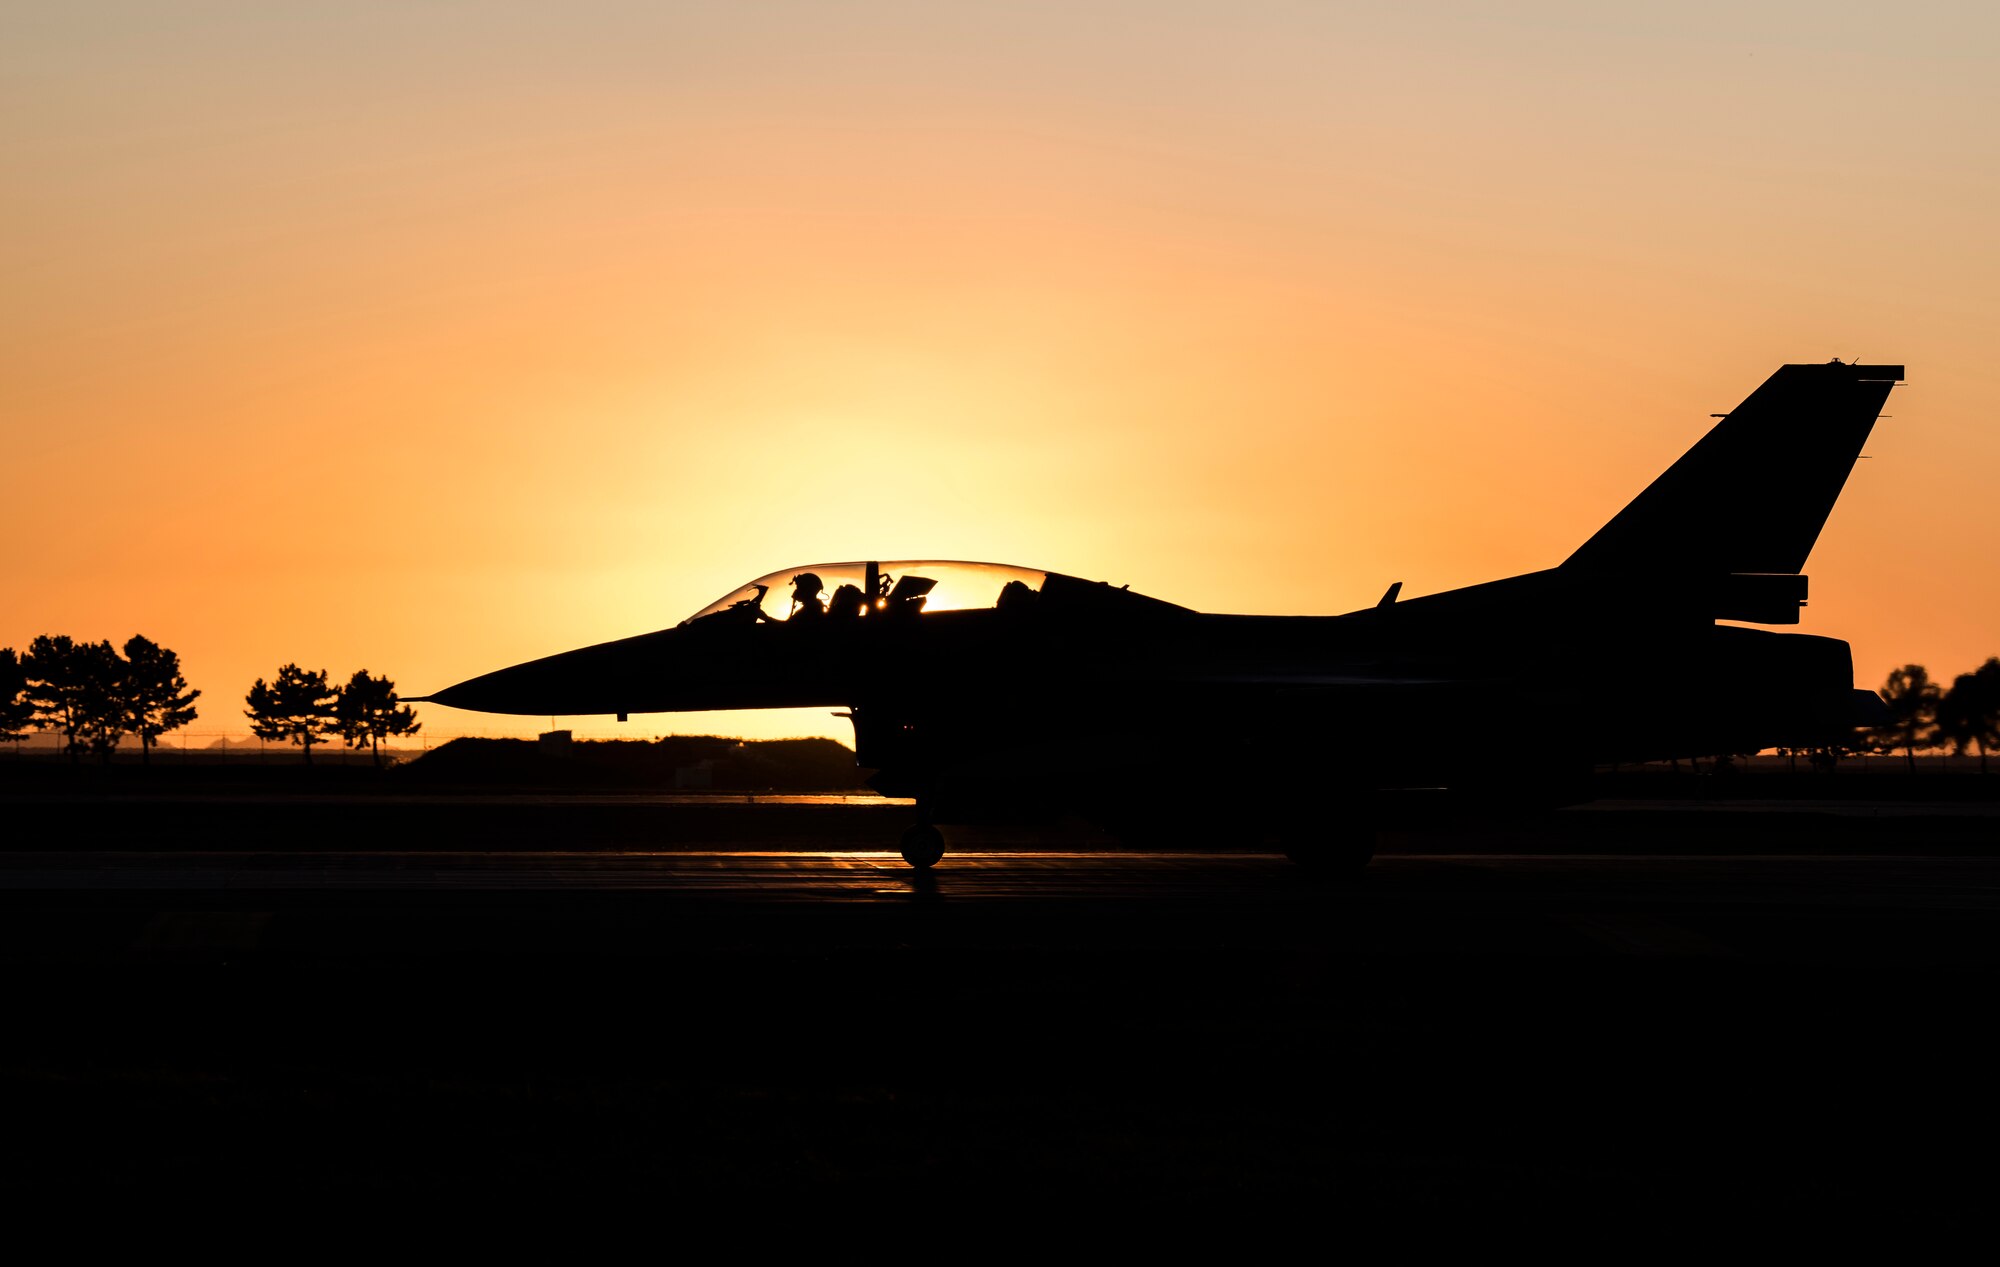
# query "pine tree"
(1912, 699)
(77, 688)
(157, 698)
(1987, 695)
(366, 712)
(102, 700)
(53, 688)
(297, 707)
(1968, 715)
(15, 710)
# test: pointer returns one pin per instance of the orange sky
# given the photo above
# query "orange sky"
(427, 338)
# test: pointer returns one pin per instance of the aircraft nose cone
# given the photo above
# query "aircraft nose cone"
(502, 691)
(684, 669)
(607, 678)
(477, 694)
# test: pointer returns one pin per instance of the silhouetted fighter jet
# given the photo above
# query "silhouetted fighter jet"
(974, 685)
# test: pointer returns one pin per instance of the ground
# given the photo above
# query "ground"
(1601, 1027)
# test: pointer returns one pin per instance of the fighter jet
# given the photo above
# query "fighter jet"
(982, 687)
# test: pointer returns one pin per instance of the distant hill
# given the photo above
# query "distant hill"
(692, 763)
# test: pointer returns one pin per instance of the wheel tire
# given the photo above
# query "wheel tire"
(923, 845)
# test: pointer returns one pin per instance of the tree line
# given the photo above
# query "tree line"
(300, 707)
(94, 697)
(92, 694)
(1923, 714)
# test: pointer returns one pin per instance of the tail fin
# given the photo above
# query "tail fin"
(1752, 495)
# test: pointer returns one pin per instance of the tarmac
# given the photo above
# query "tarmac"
(1514, 1039)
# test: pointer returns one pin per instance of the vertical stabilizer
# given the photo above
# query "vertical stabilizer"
(1752, 495)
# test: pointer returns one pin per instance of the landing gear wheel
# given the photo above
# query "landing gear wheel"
(923, 845)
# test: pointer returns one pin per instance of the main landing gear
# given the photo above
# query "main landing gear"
(923, 845)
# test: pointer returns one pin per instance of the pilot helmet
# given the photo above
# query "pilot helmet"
(808, 583)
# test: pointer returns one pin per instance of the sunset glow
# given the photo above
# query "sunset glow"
(431, 338)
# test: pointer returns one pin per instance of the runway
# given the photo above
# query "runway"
(1884, 881)
(1777, 908)
(1506, 1038)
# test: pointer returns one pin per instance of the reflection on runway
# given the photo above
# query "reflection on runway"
(1858, 881)
(754, 873)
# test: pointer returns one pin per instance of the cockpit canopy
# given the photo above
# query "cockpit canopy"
(859, 590)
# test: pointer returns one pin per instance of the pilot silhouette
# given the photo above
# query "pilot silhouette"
(806, 589)
(847, 603)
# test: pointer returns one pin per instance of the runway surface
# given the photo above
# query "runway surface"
(1512, 1039)
(1875, 909)
(1951, 880)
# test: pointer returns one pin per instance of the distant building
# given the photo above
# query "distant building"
(554, 740)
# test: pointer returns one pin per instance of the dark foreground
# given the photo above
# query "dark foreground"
(1650, 1042)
